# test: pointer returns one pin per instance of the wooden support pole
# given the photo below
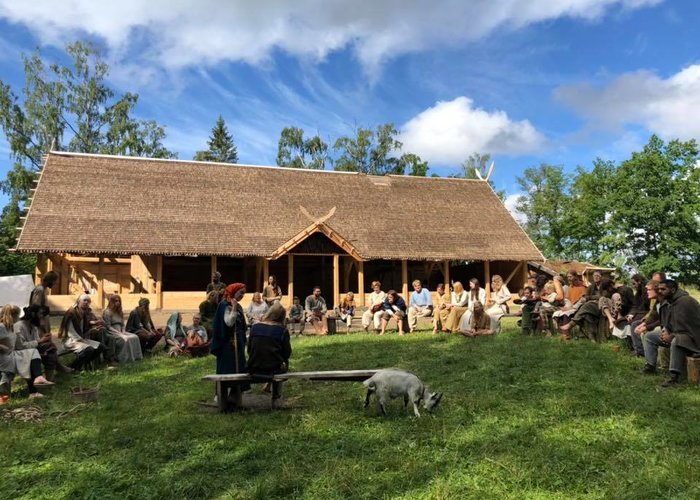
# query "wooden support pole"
(159, 282)
(526, 273)
(513, 273)
(101, 283)
(446, 274)
(214, 264)
(404, 279)
(336, 279)
(361, 282)
(290, 279)
(265, 273)
(258, 271)
(487, 279)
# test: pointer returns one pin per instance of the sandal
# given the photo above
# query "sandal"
(42, 382)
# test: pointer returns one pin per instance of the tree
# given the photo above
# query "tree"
(588, 235)
(655, 208)
(414, 164)
(221, 146)
(371, 151)
(296, 152)
(543, 205)
(64, 102)
(480, 163)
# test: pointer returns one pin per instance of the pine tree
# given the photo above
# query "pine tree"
(221, 145)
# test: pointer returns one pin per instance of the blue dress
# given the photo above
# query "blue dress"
(224, 338)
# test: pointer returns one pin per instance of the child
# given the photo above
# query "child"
(296, 316)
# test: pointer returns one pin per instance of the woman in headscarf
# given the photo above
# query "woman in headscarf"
(141, 324)
(228, 343)
(77, 326)
(128, 344)
(175, 335)
(269, 348)
(31, 335)
(24, 362)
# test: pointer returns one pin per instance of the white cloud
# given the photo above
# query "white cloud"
(510, 203)
(189, 32)
(667, 107)
(450, 131)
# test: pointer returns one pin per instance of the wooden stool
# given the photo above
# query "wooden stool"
(693, 370)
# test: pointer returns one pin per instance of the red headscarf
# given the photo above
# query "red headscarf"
(231, 290)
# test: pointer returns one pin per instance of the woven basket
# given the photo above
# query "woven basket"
(83, 394)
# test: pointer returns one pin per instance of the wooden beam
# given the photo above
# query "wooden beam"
(159, 282)
(290, 279)
(101, 283)
(336, 279)
(446, 274)
(513, 273)
(258, 270)
(361, 282)
(214, 264)
(265, 273)
(487, 279)
(526, 273)
(404, 279)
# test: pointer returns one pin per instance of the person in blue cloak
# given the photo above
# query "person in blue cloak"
(229, 339)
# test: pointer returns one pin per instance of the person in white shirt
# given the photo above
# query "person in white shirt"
(373, 314)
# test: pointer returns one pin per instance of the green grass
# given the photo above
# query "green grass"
(521, 418)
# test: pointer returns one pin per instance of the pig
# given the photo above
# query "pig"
(392, 383)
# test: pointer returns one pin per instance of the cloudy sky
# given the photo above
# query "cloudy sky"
(528, 81)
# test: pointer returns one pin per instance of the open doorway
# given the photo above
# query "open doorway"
(311, 271)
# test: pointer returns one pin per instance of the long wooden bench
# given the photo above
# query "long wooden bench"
(234, 380)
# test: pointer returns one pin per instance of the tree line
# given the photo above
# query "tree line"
(641, 213)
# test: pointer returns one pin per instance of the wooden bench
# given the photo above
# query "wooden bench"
(234, 380)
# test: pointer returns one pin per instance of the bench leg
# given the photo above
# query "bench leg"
(236, 396)
(222, 396)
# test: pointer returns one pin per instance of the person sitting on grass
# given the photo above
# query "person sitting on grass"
(316, 311)
(269, 349)
(681, 330)
(23, 362)
(394, 307)
(141, 324)
(175, 335)
(75, 331)
(207, 310)
(296, 316)
(197, 338)
(30, 335)
(421, 305)
(256, 309)
(480, 323)
(346, 310)
(128, 345)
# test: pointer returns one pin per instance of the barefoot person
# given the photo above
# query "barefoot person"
(316, 311)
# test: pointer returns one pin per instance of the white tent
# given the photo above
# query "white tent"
(16, 289)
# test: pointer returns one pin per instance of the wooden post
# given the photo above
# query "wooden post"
(487, 280)
(693, 370)
(101, 283)
(526, 273)
(361, 282)
(258, 271)
(513, 273)
(290, 279)
(159, 282)
(336, 279)
(214, 264)
(446, 274)
(265, 273)
(404, 279)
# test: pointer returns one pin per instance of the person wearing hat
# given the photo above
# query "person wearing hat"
(141, 324)
(229, 340)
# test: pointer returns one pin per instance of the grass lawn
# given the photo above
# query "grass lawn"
(521, 418)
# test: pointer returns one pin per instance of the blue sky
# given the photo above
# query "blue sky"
(556, 81)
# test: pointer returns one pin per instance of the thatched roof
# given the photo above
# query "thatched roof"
(96, 204)
(553, 267)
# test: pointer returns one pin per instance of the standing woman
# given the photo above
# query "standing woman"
(456, 308)
(272, 292)
(228, 343)
(497, 304)
(128, 344)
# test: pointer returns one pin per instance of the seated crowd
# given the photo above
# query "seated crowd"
(647, 315)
